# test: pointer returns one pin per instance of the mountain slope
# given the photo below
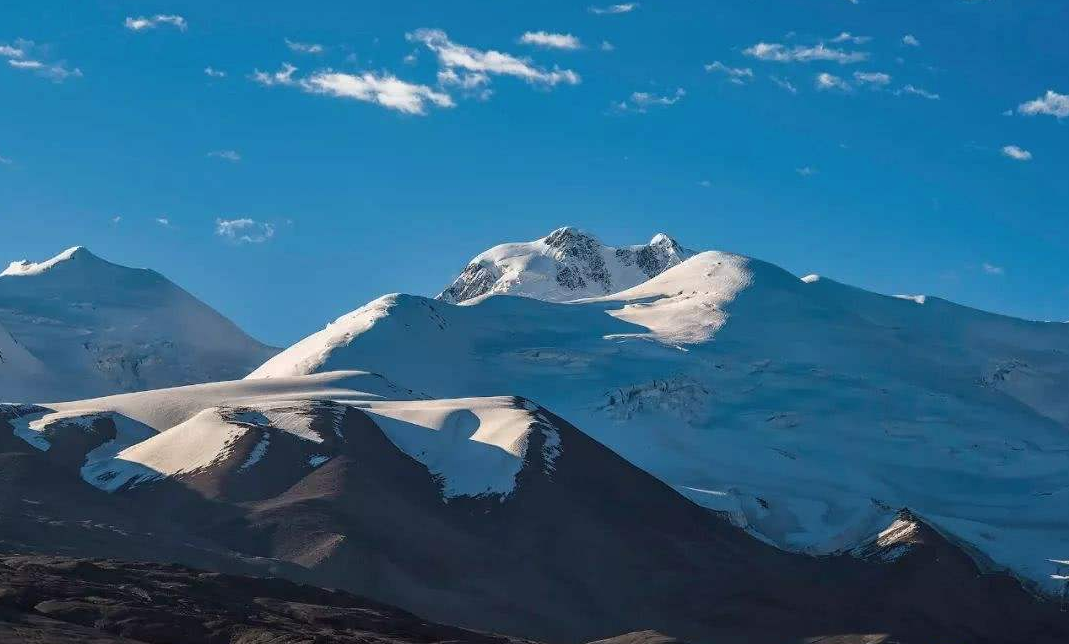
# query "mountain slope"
(492, 513)
(99, 328)
(805, 409)
(61, 600)
(565, 265)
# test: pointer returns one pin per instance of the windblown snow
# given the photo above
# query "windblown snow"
(807, 409)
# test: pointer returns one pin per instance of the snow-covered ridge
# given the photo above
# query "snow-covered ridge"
(26, 267)
(476, 446)
(472, 447)
(566, 264)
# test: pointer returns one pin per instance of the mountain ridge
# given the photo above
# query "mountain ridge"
(792, 405)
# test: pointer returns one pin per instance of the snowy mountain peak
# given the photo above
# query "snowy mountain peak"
(73, 255)
(85, 326)
(564, 265)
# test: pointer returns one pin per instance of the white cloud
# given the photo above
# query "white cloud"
(991, 269)
(1016, 153)
(226, 155)
(785, 84)
(284, 76)
(58, 72)
(607, 46)
(1052, 104)
(9, 51)
(846, 36)
(910, 40)
(142, 23)
(626, 7)
(641, 102)
(455, 56)
(737, 75)
(872, 78)
(805, 171)
(777, 52)
(385, 90)
(18, 57)
(163, 221)
(550, 40)
(826, 81)
(214, 73)
(472, 83)
(244, 230)
(116, 219)
(304, 47)
(917, 91)
(382, 89)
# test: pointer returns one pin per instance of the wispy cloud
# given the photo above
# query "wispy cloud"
(785, 84)
(214, 73)
(910, 41)
(549, 40)
(141, 23)
(877, 79)
(607, 46)
(244, 230)
(1016, 153)
(383, 89)
(27, 56)
(641, 102)
(304, 47)
(805, 171)
(626, 7)
(780, 53)
(452, 55)
(116, 219)
(1052, 104)
(826, 81)
(737, 75)
(163, 221)
(227, 155)
(846, 36)
(917, 91)
(475, 84)
(5, 161)
(992, 269)
(10, 51)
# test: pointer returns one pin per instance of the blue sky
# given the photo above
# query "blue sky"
(867, 142)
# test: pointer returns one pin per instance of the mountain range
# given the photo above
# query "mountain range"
(570, 442)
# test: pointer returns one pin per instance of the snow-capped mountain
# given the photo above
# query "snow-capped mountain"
(805, 409)
(91, 327)
(489, 512)
(566, 264)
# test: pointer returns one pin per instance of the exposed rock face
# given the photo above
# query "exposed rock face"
(567, 264)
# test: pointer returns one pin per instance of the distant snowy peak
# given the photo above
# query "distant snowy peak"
(76, 256)
(91, 327)
(565, 265)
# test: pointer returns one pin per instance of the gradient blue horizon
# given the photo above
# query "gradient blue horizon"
(906, 195)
